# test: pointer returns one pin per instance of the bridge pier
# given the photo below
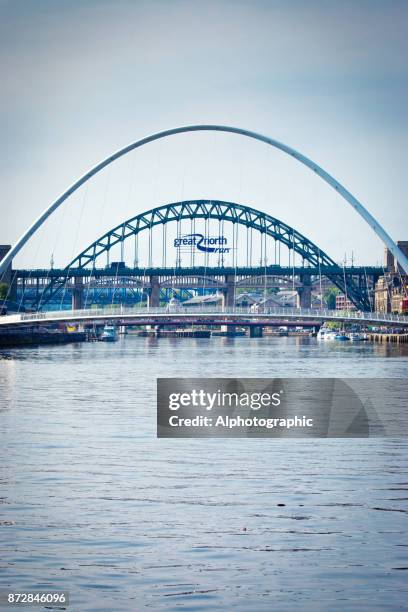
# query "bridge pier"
(304, 293)
(256, 331)
(228, 301)
(78, 293)
(228, 293)
(155, 328)
(154, 292)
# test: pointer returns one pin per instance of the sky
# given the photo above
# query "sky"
(80, 79)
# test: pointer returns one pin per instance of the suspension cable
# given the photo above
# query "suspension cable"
(320, 280)
(247, 246)
(193, 259)
(39, 244)
(115, 282)
(191, 241)
(293, 260)
(345, 285)
(150, 245)
(389, 294)
(236, 261)
(74, 245)
(136, 251)
(58, 232)
(90, 279)
(368, 290)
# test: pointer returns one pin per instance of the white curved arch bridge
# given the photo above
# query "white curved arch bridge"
(320, 172)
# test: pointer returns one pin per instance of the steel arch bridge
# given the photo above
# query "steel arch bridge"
(325, 176)
(263, 223)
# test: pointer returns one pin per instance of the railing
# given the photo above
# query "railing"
(137, 311)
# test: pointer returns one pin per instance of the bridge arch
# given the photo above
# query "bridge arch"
(256, 282)
(221, 211)
(204, 209)
(361, 210)
(192, 282)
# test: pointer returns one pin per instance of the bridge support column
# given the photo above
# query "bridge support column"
(154, 330)
(228, 301)
(154, 292)
(228, 294)
(256, 331)
(304, 293)
(78, 293)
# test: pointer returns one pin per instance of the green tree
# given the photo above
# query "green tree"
(3, 291)
(330, 297)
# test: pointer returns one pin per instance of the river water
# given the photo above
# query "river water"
(93, 503)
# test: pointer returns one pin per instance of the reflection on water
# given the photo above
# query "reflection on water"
(93, 503)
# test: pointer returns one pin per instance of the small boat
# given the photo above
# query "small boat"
(109, 334)
(341, 336)
(325, 334)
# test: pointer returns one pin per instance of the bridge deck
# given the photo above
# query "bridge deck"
(117, 270)
(209, 315)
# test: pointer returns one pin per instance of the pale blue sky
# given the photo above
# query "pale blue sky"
(80, 79)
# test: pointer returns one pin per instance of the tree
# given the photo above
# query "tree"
(330, 297)
(3, 291)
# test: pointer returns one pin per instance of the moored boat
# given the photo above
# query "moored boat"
(341, 336)
(109, 334)
(325, 333)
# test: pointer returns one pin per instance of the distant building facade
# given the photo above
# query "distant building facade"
(343, 303)
(391, 289)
